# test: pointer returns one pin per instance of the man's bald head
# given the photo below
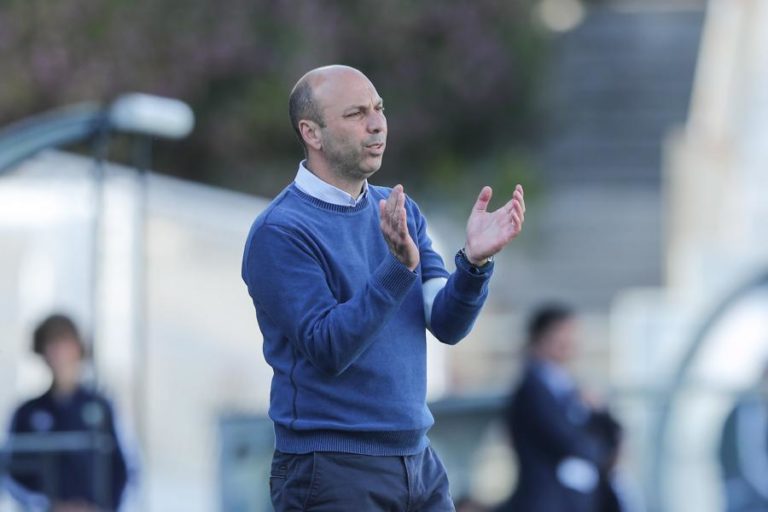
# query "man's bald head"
(305, 102)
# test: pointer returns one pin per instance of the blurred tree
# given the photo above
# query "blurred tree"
(459, 78)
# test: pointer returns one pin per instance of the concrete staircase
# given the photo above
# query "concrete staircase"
(619, 83)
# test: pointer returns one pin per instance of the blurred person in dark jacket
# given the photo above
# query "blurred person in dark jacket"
(86, 478)
(744, 451)
(566, 446)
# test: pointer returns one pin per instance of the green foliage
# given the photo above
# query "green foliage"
(459, 78)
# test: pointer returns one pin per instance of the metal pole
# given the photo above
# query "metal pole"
(101, 146)
(142, 157)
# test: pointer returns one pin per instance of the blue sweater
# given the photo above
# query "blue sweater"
(343, 323)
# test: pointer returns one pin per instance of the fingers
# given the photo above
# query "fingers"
(516, 204)
(392, 200)
(517, 221)
(483, 199)
(514, 212)
(518, 208)
(520, 196)
(394, 228)
(393, 214)
(400, 209)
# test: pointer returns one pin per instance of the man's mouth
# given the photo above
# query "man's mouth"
(376, 146)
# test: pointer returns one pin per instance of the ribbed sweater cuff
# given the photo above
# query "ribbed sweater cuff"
(471, 283)
(394, 277)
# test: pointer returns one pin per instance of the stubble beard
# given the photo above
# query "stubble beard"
(347, 162)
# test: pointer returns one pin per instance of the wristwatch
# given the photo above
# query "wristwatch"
(475, 269)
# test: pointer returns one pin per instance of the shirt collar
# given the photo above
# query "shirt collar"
(319, 189)
(557, 378)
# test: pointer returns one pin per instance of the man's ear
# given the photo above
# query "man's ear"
(310, 132)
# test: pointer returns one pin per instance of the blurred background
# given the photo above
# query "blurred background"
(639, 129)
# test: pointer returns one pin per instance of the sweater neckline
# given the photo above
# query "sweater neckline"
(319, 203)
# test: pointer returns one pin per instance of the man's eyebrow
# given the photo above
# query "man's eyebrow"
(378, 103)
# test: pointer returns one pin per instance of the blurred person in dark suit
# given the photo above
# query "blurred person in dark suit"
(566, 446)
(744, 451)
(53, 478)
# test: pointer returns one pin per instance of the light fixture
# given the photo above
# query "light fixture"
(560, 15)
(153, 116)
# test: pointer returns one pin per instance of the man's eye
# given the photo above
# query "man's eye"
(354, 114)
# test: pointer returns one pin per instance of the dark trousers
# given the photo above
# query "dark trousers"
(339, 482)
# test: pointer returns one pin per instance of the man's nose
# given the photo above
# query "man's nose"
(377, 122)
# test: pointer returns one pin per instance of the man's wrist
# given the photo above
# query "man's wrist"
(476, 264)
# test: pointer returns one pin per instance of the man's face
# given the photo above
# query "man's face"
(560, 343)
(355, 132)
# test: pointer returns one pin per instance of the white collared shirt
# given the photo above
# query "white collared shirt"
(319, 189)
(557, 378)
(313, 186)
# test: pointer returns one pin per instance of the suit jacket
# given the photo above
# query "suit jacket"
(97, 477)
(561, 457)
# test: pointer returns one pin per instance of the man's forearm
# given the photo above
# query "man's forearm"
(458, 304)
(330, 334)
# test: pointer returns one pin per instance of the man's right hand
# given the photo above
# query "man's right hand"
(395, 229)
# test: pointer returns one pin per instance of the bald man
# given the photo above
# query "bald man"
(345, 283)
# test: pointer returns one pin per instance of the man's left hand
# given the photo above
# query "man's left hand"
(489, 232)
